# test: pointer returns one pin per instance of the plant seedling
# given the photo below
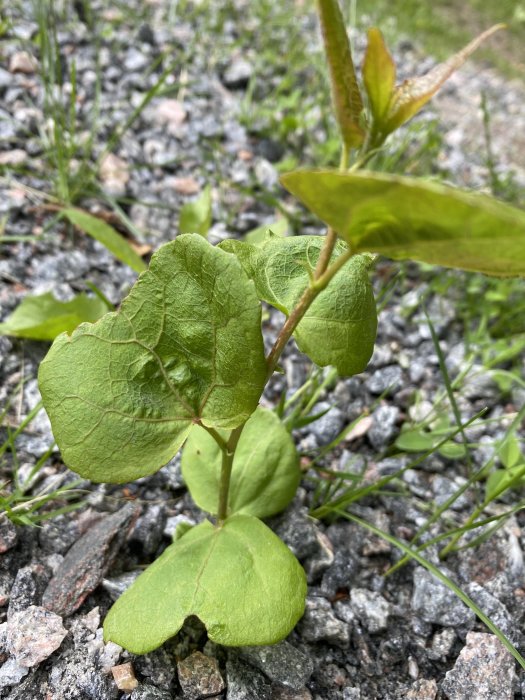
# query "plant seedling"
(182, 363)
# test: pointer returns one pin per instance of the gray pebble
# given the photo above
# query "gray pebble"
(384, 427)
(244, 682)
(319, 624)
(371, 608)
(328, 427)
(385, 380)
(149, 692)
(281, 663)
(436, 603)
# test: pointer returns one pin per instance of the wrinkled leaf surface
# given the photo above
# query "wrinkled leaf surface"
(340, 326)
(185, 345)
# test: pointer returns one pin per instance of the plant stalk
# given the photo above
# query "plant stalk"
(228, 453)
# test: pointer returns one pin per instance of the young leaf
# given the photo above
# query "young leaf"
(379, 75)
(185, 346)
(502, 479)
(43, 317)
(239, 579)
(340, 326)
(412, 94)
(265, 473)
(105, 234)
(345, 89)
(258, 236)
(510, 452)
(195, 217)
(405, 218)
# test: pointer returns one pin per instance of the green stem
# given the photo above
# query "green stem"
(228, 454)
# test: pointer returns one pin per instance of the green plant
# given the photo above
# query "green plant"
(182, 362)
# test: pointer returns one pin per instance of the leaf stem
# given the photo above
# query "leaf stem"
(228, 454)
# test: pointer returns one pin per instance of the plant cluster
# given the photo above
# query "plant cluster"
(181, 364)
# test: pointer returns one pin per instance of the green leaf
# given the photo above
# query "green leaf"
(239, 579)
(345, 89)
(414, 441)
(405, 218)
(195, 217)
(105, 234)
(340, 326)
(409, 97)
(185, 346)
(502, 479)
(379, 75)
(510, 452)
(258, 236)
(452, 450)
(43, 317)
(265, 473)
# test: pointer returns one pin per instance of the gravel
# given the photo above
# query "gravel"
(364, 636)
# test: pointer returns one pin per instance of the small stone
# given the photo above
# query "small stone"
(8, 534)
(170, 113)
(116, 586)
(442, 643)
(318, 562)
(281, 663)
(371, 608)
(148, 529)
(238, 74)
(124, 677)
(328, 427)
(384, 427)
(114, 174)
(33, 635)
(184, 185)
(423, 689)
(244, 682)
(265, 174)
(199, 676)
(87, 561)
(484, 670)
(11, 673)
(436, 603)
(149, 692)
(28, 587)
(288, 694)
(15, 157)
(135, 60)
(350, 693)
(385, 380)
(22, 62)
(319, 624)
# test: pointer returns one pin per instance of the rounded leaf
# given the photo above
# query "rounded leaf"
(265, 473)
(186, 345)
(239, 579)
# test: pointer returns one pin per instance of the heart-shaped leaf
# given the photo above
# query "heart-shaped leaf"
(239, 579)
(43, 317)
(185, 346)
(340, 326)
(345, 88)
(405, 218)
(265, 473)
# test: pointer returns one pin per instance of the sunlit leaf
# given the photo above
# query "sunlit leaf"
(185, 346)
(340, 326)
(345, 89)
(258, 236)
(195, 217)
(43, 317)
(379, 75)
(239, 579)
(105, 234)
(502, 479)
(265, 473)
(406, 218)
(412, 94)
